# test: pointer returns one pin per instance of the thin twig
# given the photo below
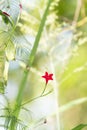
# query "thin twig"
(44, 89)
(83, 10)
(77, 12)
(36, 98)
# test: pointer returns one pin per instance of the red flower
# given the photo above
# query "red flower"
(47, 77)
(5, 13)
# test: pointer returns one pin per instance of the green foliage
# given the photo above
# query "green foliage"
(80, 127)
(64, 8)
(30, 61)
(11, 46)
(48, 43)
(7, 49)
(4, 17)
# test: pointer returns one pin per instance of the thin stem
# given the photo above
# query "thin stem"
(36, 98)
(31, 100)
(33, 52)
(44, 89)
(19, 100)
(83, 11)
(25, 76)
(56, 91)
(77, 12)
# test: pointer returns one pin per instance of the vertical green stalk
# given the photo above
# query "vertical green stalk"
(19, 98)
(33, 52)
(56, 95)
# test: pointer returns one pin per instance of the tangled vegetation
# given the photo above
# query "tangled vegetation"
(43, 39)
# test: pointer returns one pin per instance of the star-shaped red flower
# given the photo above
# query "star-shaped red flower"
(47, 77)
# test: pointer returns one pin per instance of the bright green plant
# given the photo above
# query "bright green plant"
(57, 39)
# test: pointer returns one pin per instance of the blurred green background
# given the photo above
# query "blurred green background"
(62, 51)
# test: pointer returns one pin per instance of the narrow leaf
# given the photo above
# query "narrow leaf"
(73, 104)
(80, 127)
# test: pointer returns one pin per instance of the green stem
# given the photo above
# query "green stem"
(37, 97)
(44, 89)
(56, 95)
(33, 52)
(25, 76)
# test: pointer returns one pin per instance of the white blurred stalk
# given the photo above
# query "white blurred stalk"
(77, 13)
(56, 93)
